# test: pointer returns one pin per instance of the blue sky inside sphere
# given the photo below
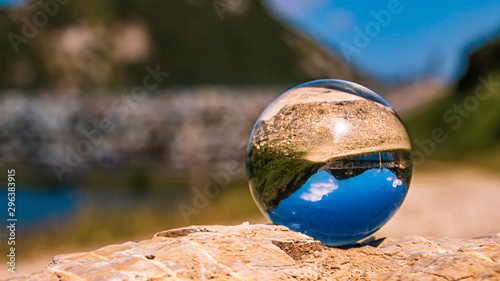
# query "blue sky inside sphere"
(395, 40)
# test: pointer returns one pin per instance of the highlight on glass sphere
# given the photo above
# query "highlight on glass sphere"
(330, 159)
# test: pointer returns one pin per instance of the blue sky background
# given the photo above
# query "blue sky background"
(425, 37)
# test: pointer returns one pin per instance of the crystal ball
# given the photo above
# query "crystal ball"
(330, 159)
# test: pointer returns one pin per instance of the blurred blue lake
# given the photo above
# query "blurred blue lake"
(39, 208)
(45, 209)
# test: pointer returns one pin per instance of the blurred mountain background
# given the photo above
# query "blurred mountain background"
(469, 112)
(96, 44)
(68, 65)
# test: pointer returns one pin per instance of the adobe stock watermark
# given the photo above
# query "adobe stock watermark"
(454, 116)
(222, 6)
(46, 9)
(220, 180)
(363, 36)
(120, 106)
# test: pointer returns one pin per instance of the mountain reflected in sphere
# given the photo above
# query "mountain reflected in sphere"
(331, 159)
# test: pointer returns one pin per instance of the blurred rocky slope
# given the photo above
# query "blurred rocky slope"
(271, 252)
(174, 129)
(92, 44)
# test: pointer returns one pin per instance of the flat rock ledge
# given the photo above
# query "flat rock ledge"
(272, 252)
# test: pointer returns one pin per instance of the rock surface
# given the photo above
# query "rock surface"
(271, 252)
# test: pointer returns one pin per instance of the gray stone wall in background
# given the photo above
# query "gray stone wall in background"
(210, 125)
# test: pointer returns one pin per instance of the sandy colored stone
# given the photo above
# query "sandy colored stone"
(271, 252)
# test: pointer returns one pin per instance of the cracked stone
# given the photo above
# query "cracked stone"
(271, 252)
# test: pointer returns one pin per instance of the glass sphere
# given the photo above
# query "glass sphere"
(330, 159)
